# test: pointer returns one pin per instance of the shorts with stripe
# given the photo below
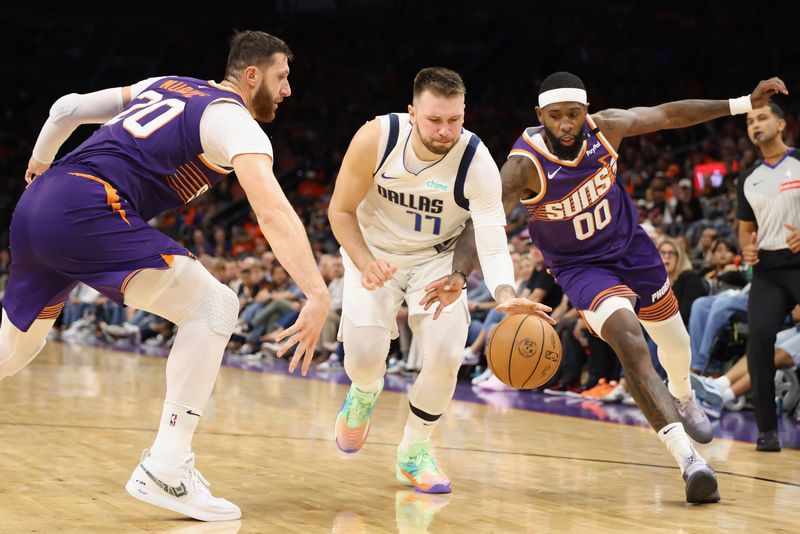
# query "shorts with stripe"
(639, 273)
(71, 226)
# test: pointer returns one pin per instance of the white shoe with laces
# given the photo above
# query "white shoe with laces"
(181, 489)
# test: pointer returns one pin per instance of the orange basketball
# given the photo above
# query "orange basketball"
(524, 351)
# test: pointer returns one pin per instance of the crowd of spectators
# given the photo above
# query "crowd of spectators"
(350, 68)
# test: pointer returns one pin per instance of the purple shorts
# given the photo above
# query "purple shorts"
(639, 273)
(71, 226)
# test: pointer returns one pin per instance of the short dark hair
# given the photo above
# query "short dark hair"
(776, 109)
(253, 48)
(559, 80)
(439, 81)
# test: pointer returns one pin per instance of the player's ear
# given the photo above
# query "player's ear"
(412, 113)
(781, 125)
(539, 114)
(250, 75)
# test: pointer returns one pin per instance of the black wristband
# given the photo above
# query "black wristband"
(465, 278)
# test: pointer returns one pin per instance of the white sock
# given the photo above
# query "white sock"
(679, 445)
(369, 387)
(674, 353)
(417, 429)
(174, 439)
(723, 382)
(728, 395)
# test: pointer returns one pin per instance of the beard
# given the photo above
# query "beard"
(566, 153)
(263, 104)
(438, 150)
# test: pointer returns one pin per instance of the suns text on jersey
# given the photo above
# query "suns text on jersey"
(586, 195)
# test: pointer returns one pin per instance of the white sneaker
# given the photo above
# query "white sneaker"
(483, 377)
(494, 384)
(469, 357)
(181, 489)
(330, 364)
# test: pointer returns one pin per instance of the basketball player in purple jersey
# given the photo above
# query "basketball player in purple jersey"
(586, 225)
(164, 142)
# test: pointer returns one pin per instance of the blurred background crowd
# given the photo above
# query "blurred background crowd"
(355, 60)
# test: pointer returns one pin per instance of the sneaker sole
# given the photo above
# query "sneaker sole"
(346, 445)
(408, 480)
(135, 491)
(701, 488)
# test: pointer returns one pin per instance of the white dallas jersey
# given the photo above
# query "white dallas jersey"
(407, 212)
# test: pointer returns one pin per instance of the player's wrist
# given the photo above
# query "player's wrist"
(740, 105)
(504, 293)
(463, 275)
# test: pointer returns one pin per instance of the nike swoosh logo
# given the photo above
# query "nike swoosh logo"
(383, 175)
(668, 431)
(175, 491)
(190, 412)
(551, 174)
(758, 182)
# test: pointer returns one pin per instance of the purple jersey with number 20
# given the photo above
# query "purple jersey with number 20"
(587, 228)
(85, 219)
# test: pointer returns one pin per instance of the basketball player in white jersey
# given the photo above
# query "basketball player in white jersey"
(408, 186)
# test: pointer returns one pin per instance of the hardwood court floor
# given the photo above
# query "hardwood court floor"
(75, 421)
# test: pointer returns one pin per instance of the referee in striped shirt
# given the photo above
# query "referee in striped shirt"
(769, 234)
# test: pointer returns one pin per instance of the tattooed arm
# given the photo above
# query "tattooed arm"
(519, 180)
(617, 124)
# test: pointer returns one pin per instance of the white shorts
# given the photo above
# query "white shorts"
(380, 307)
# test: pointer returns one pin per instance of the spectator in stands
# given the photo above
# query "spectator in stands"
(685, 206)
(707, 238)
(728, 391)
(722, 272)
(687, 285)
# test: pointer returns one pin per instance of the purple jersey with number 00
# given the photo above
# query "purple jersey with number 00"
(151, 151)
(582, 213)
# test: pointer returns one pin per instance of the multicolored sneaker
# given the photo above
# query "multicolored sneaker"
(352, 423)
(416, 466)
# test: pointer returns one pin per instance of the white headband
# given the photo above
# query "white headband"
(562, 94)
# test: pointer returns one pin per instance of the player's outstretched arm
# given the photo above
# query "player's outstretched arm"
(352, 185)
(617, 124)
(287, 236)
(66, 114)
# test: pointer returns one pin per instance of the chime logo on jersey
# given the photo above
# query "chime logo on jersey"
(413, 201)
(586, 195)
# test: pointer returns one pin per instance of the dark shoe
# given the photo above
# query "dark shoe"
(768, 441)
(701, 483)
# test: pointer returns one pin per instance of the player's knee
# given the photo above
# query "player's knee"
(629, 344)
(443, 366)
(223, 309)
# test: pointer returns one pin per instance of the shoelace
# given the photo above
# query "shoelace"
(361, 403)
(424, 462)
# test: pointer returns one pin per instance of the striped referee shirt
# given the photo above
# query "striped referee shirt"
(770, 196)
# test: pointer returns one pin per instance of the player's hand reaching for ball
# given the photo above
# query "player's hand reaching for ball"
(35, 168)
(376, 273)
(305, 331)
(521, 305)
(765, 90)
(446, 290)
